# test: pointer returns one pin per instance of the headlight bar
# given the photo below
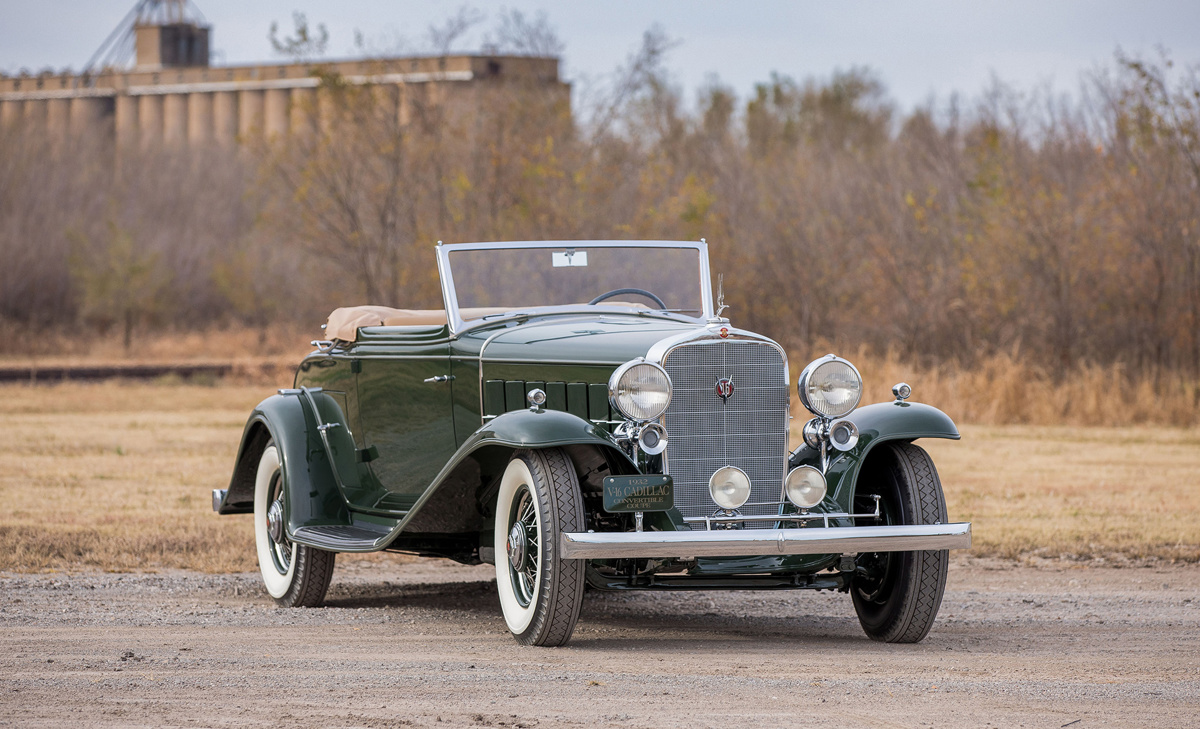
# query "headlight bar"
(805, 516)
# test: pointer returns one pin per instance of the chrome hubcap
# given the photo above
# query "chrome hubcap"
(275, 521)
(516, 546)
(281, 546)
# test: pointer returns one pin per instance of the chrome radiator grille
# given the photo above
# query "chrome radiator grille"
(749, 430)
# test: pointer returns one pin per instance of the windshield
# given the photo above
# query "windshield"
(497, 280)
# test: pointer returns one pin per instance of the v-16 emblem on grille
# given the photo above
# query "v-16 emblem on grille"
(724, 389)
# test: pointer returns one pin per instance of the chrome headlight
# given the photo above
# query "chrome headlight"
(804, 486)
(640, 390)
(830, 387)
(729, 487)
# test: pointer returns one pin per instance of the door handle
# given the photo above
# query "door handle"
(440, 378)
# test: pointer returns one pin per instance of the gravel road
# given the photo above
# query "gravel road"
(422, 644)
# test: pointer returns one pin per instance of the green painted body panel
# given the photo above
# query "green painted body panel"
(589, 402)
(510, 431)
(556, 396)
(465, 397)
(514, 395)
(562, 355)
(313, 497)
(402, 424)
(406, 418)
(610, 339)
(538, 429)
(335, 375)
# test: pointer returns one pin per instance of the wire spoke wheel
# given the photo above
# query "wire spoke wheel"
(281, 546)
(524, 547)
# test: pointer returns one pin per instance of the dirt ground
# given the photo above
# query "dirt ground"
(423, 644)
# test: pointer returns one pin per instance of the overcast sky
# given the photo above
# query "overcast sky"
(922, 48)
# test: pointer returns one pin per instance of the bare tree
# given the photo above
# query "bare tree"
(517, 34)
(304, 44)
(443, 36)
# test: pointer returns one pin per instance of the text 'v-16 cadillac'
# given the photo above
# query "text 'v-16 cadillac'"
(580, 416)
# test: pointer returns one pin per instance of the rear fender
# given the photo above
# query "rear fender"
(292, 419)
(878, 423)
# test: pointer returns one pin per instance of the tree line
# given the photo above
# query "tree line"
(1058, 230)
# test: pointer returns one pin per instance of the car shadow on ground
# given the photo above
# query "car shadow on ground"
(471, 596)
(614, 620)
(713, 627)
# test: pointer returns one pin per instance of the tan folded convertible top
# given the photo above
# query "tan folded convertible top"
(344, 322)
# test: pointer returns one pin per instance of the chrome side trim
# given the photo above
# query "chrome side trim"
(483, 417)
(744, 542)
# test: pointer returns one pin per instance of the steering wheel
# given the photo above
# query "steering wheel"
(618, 292)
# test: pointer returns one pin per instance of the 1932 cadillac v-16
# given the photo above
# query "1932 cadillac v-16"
(581, 416)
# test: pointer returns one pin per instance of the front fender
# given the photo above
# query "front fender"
(878, 423)
(451, 502)
(288, 419)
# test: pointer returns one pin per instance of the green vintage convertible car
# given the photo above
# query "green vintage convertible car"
(581, 416)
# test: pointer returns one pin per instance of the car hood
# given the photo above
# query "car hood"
(577, 340)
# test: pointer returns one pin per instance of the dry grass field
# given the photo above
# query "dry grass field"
(116, 476)
(1115, 493)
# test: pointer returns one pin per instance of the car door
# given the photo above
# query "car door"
(405, 400)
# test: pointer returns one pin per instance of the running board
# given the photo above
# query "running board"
(341, 537)
(753, 542)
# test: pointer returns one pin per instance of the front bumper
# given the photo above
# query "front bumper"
(747, 542)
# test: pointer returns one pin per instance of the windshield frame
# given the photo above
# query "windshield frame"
(450, 297)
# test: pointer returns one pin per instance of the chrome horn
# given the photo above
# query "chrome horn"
(843, 434)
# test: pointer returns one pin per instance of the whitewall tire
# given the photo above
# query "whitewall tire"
(540, 593)
(295, 575)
